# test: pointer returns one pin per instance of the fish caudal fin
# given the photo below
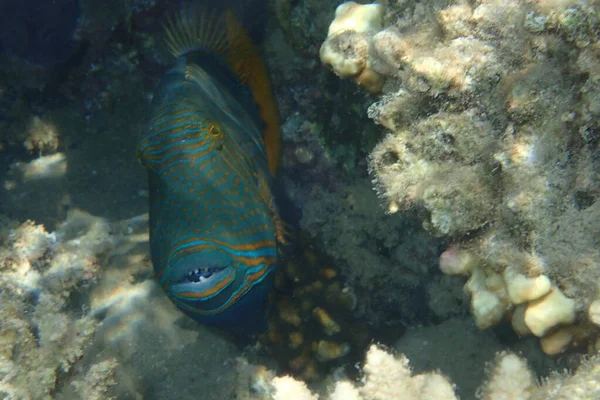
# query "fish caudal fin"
(220, 33)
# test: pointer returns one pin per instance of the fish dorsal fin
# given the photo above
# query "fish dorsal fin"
(221, 34)
(191, 30)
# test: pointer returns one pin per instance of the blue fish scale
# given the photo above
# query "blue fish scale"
(205, 158)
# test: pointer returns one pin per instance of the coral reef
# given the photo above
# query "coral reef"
(349, 42)
(394, 255)
(492, 120)
(487, 165)
(386, 375)
(97, 381)
(313, 328)
(43, 335)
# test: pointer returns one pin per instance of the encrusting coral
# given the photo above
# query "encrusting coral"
(349, 42)
(41, 335)
(492, 117)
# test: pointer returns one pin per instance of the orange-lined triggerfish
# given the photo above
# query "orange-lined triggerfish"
(212, 150)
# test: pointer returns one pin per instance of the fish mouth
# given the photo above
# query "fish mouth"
(200, 275)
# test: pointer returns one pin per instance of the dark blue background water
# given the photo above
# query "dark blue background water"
(39, 31)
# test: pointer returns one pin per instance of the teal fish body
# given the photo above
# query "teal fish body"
(213, 225)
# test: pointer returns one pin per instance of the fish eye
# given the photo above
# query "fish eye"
(214, 130)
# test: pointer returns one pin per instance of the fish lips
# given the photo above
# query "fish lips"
(200, 271)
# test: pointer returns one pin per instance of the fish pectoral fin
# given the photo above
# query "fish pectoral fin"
(139, 157)
(282, 229)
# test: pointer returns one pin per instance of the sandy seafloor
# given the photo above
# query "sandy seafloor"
(92, 192)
